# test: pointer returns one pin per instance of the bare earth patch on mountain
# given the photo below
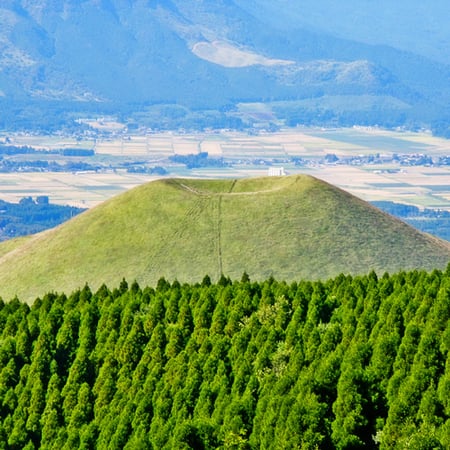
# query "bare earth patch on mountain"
(227, 55)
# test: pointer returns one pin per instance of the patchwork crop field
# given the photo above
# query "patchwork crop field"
(371, 163)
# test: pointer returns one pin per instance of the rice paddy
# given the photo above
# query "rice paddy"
(299, 150)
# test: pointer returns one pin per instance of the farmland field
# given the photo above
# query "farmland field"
(364, 166)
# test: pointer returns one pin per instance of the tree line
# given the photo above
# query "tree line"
(433, 221)
(30, 216)
(352, 362)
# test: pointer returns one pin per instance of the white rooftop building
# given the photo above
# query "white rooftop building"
(276, 172)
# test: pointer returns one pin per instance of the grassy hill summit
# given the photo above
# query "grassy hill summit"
(287, 227)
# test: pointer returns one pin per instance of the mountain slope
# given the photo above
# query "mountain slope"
(379, 23)
(119, 52)
(288, 227)
(214, 54)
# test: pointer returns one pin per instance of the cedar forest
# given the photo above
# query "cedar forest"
(352, 362)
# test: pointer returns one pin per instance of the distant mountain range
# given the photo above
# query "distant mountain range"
(313, 62)
(291, 228)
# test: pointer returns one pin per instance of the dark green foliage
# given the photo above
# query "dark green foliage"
(31, 216)
(433, 221)
(198, 160)
(354, 362)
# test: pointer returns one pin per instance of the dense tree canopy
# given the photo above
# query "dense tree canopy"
(353, 362)
(31, 216)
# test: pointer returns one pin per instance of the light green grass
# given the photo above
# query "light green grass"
(12, 244)
(289, 227)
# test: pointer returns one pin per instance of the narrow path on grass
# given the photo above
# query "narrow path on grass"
(209, 193)
(232, 186)
(219, 236)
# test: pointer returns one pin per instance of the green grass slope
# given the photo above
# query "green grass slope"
(288, 227)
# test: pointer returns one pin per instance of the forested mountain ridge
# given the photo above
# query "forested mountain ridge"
(288, 227)
(353, 362)
(314, 58)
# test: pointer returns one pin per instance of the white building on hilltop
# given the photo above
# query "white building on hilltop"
(276, 172)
